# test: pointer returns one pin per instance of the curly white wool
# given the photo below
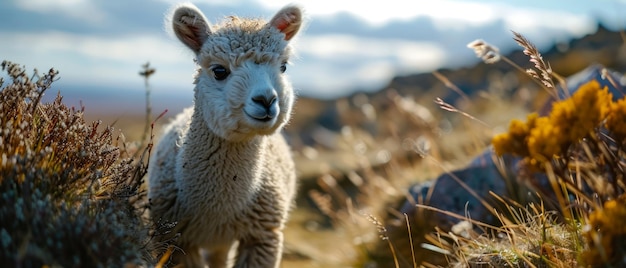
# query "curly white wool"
(222, 170)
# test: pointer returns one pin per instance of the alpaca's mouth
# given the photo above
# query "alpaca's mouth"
(265, 117)
(261, 114)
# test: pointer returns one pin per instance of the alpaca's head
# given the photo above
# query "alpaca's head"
(241, 86)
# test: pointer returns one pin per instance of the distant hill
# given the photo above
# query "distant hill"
(605, 47)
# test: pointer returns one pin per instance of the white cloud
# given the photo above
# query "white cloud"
(113, 61)
(80, 9)
(338, 62)
(424, 55)
(534, 19)
(233, 3)
(446, 14)
(380, 12)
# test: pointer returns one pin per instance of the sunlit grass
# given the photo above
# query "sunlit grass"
(573, 158)
(570, 179)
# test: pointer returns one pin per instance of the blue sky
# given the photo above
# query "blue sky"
(99, 45)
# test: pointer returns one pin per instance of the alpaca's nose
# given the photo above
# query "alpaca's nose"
(265, 100)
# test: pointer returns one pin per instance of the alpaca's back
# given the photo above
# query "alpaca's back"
(161, 176)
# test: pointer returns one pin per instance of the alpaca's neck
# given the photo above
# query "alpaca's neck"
(217, 167)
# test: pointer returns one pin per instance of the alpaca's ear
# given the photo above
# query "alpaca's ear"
(190, 26)
(288, 21)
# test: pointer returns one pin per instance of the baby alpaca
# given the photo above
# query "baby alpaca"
(222, 171)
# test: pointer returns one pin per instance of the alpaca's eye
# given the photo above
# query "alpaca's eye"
(283, 67)
(220, 72)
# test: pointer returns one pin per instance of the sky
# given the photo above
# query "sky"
(99, 46)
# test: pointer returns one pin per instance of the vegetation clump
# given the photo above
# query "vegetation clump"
(605, 234)
(69, 194)
(541, 138)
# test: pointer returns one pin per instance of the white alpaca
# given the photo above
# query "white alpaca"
(222, 171)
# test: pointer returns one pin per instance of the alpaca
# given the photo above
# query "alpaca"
(222, 170)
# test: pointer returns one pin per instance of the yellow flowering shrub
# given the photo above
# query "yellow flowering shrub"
(581, 113)
(515, 139)
(606, 233)
(541, 139)
(616, 120)
(545, 139)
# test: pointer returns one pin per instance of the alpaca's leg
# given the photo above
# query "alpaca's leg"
(264, 250)
(219, 257)
(188, 258)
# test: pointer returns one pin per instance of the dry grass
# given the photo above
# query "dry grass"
(357, 192)
(581, 179)
(569, 221)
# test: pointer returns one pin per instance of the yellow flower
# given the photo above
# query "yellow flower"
(616, 119)
(501, 144)
(516, 139)
(545, 140)
(583, 112)
(542, 138)
(564, 115)
(605, 232)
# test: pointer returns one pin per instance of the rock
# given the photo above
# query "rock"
(449, 191)
(593, 72)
